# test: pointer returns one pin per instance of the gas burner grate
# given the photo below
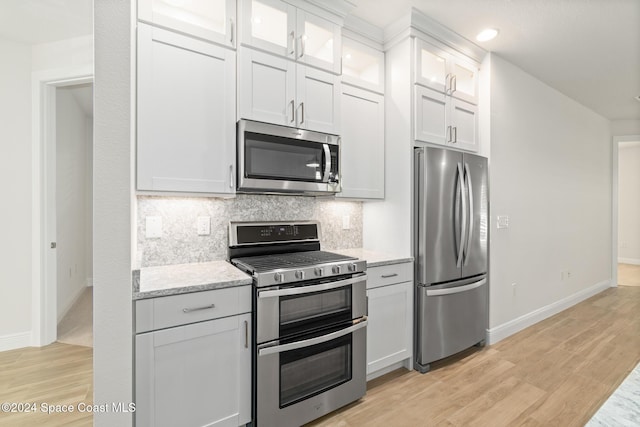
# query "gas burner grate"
(263, 263)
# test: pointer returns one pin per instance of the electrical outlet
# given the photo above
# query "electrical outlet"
(204, 225)
(153, 227)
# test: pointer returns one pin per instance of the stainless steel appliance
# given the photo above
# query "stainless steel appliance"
(280, 159)
(309, 321)
(451, 213)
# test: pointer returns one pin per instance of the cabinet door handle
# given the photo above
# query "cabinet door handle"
(302, 107)
(230, 176)
(302, 39)
(231, 28)
(454, 83)
(292, 35)
(448, 136)
(455, 134)
(293, 111)
(206, 307)
(386, 276)
(447, 84)
(246, 334)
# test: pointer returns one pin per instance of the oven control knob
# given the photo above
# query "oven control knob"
(319, 271)
(353, 267)
(337, 269)
(300, 275)
(278, 277)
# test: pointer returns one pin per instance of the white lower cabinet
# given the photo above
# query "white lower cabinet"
(390, 316)
(197, 374)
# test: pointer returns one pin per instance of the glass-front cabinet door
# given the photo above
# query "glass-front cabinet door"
(362, 65)
(465, 81)
(212, 20)
(269, 25)
(319, 42)
(432, 67)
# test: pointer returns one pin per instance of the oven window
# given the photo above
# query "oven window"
(273, 157)
(307, 312)
(312, 370)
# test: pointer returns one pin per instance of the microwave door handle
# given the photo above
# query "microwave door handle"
(299, 290)
(327, 162)
(358, 324)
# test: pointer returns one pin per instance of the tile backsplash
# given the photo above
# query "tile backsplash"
(180, 243)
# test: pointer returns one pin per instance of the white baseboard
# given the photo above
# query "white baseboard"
(632, 261)
(516, 325)
(13, 341)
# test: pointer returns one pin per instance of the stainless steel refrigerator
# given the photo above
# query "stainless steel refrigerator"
(451, 236)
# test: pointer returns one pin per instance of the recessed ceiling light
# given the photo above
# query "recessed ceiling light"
(487, 34)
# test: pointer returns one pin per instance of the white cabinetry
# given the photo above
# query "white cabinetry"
(445, 99)
(277, 90)
(186, 113)
(280, 28)
(390, 316)
(362, 65)
(362, 144)
(196, 374)
(212, 20)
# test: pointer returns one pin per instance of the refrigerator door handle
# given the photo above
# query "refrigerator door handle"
(470, 207)
(463, 222)
(455, 290)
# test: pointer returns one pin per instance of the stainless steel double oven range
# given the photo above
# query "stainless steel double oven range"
(309, 321)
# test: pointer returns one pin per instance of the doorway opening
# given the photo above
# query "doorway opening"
(73, 213)
(628, 215)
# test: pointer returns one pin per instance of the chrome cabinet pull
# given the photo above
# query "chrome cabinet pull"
(292, 35)
(454, 83)
(302, 107)
(293, 111)
(191, 309)
(302, 38)
(386, 276)
(231, 176)
(449, 133)
(447, 84)
(455, 134)
(246, 334)
(231, 28)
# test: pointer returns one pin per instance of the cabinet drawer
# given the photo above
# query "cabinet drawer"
(175, 310)
(389, 274)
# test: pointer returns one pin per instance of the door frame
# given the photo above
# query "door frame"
(43, 197)
(615, 202)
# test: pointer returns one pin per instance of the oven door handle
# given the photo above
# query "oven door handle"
(310, 289)
(361, 323)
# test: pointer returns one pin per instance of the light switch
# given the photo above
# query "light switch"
(503, 221)
(204, 225)
(346, 222)
(153, 227)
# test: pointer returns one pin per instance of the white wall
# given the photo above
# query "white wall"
(625, 127)
(550, 172)
(15, 176)
(73, 210)
(629, 204)
(113, 205)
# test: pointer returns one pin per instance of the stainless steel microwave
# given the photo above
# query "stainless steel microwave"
(280, 159)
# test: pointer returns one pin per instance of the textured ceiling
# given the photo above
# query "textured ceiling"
(587, 49)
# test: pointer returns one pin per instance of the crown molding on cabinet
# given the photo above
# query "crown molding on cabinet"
(333, 10)
(363, 32)
(420, 24)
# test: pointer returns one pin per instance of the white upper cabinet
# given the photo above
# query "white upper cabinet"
(362, 65)
(212, 20)
(446, 73)
(282, 29)
(269, 25)
(362, 144)
(186, 113)
(276, 90)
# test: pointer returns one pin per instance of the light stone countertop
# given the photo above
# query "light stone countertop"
(374, 258)
(150, 282)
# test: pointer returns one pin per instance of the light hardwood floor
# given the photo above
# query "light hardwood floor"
(58, 374)
(555, 373)
(628, 275)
